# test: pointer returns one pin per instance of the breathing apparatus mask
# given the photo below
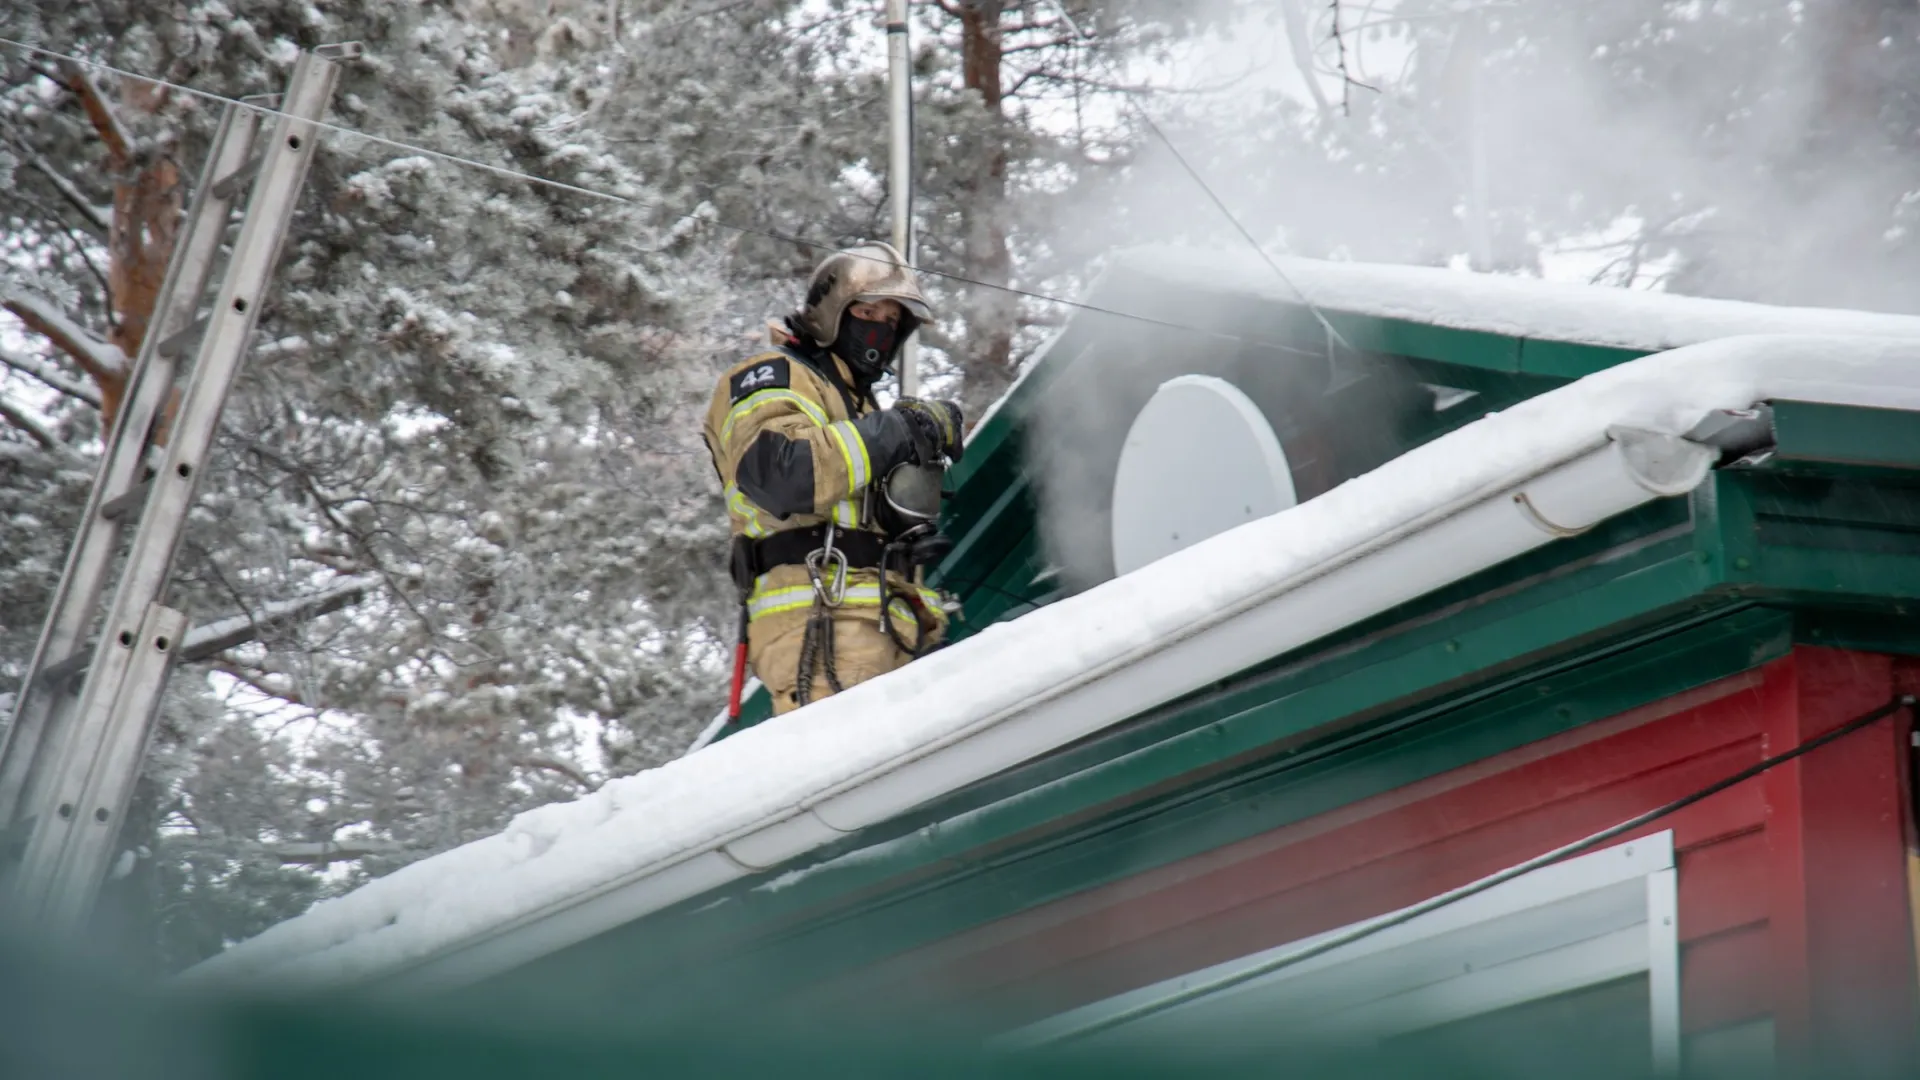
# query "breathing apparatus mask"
(906, 506)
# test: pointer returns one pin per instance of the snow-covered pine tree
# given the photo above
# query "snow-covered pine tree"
(472, 389)
(475, 396)
(1029, 113)
(774, 113)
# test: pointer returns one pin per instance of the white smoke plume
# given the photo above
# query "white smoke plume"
(1751, 149)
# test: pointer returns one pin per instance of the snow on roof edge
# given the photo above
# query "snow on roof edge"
(548, 858)
(1502, 304)
(1514, 306)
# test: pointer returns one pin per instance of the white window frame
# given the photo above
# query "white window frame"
(1589, 920)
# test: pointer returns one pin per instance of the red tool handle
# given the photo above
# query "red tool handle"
(739, 681)
(739, 667)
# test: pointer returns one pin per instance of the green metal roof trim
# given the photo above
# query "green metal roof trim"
(1819, 543)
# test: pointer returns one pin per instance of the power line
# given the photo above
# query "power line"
(695, 16)
(606, 196)
(1194, 174)
(1427, 907)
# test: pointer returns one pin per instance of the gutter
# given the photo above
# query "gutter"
(1625, 469)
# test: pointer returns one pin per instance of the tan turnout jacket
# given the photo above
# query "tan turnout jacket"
(778, 391)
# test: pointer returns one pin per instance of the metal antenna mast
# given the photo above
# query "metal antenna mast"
(69, 759)
(900, 167)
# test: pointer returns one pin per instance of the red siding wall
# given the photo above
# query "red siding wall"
(1793, 900)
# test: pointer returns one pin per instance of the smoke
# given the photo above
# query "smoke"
(1751, 149)
(1765, 149)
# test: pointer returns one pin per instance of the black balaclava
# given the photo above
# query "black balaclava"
(869, 347)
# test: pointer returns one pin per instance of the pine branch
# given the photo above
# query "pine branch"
(1347, 80)
(236, 630)
(105, 120)
(556, 766)
(325, 852)
(291, 852)
(1299, 42)
(255, 682)
(100, 359)
(336, 559)
(100, 217)
(35, 368)
(79, 243)
(1036, 46)
(30, 425)
(329, 509)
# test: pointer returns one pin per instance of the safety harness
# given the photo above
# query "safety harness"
(829, 553)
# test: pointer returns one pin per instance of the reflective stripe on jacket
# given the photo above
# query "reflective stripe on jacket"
(794, 450)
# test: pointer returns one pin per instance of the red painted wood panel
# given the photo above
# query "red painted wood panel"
(1084, 962)
(1361, 860)
(1792, 889)
(1840, 923)
(1736, 692)
(1723, 883)
(1725, 978)
(1383, 827)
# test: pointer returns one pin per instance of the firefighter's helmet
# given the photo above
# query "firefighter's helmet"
(871, 271)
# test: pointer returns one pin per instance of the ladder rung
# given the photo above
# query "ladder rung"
(124, 504)
(225, 187)
(59, 672)
(172, 347)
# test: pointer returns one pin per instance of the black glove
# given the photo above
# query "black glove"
(938, 429)
(913, 432)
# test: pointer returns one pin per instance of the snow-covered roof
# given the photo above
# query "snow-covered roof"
(562, 873)
(1500, 304)
(1493, 303)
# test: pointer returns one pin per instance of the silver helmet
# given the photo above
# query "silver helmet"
(868, 272)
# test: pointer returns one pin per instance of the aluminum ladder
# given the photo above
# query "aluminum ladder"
(82, 718)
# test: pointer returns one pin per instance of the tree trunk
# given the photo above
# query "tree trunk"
(988, 362)
(147, 208)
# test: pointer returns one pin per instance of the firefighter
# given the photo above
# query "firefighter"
(831, 498)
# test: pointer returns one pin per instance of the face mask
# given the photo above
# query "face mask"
(866, 346)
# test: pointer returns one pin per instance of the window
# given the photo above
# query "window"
(1584, 951)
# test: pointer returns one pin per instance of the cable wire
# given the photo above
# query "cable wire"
(1427, 907)
(606, 196)
(1194, 174)
(694, 16)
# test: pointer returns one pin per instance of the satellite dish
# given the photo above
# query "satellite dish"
(1200, 459)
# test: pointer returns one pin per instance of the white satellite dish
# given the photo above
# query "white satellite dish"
(1200, 459)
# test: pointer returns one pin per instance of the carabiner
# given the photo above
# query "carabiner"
(831, 595)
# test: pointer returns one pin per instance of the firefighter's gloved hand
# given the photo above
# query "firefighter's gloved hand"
(938, 429)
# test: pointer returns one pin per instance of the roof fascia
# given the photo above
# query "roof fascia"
(1406, 675)
(1626, 470)
(774, 942)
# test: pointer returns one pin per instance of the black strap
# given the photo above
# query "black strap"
(829, 372)
(791, 548)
